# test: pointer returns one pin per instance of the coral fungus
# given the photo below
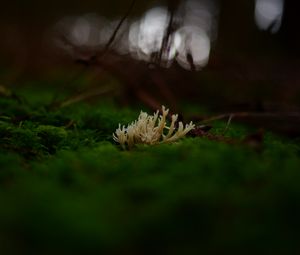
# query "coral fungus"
(149, 129)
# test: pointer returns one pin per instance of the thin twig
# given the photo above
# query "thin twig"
(228, 124)
(113, 36)
(85, 96)
(252, 114)
(168, 32)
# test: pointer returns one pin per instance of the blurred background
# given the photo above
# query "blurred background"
(225, 54)
(63, 182)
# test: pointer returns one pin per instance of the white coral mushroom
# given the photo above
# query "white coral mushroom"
(149, 129)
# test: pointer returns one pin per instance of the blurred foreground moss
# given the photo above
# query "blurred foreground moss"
(66, 188)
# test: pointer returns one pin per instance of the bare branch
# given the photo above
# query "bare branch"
(113, 36)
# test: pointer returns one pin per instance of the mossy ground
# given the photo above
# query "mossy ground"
(64, 183)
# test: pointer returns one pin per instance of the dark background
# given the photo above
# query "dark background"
(246, 66)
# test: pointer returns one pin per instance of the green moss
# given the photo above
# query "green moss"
(64, 183)
(21, 140)
(51, 137)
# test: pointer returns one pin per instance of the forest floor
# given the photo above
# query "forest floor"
(65, 184)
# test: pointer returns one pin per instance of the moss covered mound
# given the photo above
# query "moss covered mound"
(66, 187)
